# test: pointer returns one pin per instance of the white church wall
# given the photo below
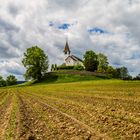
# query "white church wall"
(69, 62)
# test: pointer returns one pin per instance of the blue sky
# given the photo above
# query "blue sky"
(108, 26)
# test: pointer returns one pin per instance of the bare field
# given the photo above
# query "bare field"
(94, 110)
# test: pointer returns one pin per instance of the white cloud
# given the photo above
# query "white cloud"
(26, 23)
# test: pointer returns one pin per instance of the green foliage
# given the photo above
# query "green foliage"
(103, 63)
(111, 72)
(55, 67)
(2, 82)
(36, 62)
(130, 93)
(137, 77)
(66, 78)
(52, 67)
(90, 61)
(122, 73)
(62, 67)
(129, 77)
(78, 67)
(11, 80)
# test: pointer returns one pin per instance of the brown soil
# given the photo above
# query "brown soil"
(41, 116)
(5, 112)
(50, 123)
(106, 115)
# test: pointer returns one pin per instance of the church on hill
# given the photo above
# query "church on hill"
(71, 60)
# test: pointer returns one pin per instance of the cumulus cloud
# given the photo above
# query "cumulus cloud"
(107, 26)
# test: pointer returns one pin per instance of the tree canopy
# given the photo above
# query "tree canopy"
(111, 72)
(36, 63)
(90, 61)
(103, 62)
(137, 77)
(122, 72)
(2, 82)
(11, 80)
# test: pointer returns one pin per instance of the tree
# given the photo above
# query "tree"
(122, 72)
(78, 67)
(11, 80)
(52, 67)
(137, 77)
(103, 62)
(111, 72)
(55, 67)
(2, 82)
(90, 61)
(36, 62)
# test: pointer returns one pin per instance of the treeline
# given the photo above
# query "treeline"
(36, 62)
(10, 80)
(137, 77)
(97, 63)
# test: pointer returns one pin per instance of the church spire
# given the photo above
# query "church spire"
(66, 48)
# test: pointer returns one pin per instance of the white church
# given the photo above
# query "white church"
(71, 60)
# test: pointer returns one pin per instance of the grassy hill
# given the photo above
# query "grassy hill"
(68, 76)
(65, 76)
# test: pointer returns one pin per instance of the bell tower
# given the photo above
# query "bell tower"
(67, 49)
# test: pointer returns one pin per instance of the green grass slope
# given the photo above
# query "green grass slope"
(67, 78)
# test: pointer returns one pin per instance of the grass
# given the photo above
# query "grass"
(58, 78)
(67, 78)
(107, 106)
(105, 87)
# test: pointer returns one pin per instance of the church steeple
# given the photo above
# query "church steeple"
(67, 49)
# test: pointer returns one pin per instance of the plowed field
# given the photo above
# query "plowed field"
(95, 110)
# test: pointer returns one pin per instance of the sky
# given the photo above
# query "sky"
(111, 27)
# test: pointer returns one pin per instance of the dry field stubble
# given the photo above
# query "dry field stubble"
(95, 110)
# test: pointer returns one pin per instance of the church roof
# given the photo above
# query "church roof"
(74, 58)
(67, 49)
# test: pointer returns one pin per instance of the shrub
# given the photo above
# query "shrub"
(78, 67)
(65, 67)
(52, 67)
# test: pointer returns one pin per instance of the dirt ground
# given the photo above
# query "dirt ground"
(39, 113)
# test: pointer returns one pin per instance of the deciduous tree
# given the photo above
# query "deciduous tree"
(2, 82)
(122, 72)
(90, 61)
(11, 80)
(36, 62)
(103, 62)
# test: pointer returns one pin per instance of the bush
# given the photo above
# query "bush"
(65, 67)
(109, 76)
(53, 67)
(111, 72)
(78, 67)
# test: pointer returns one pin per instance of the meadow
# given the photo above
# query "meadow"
(85, 110)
